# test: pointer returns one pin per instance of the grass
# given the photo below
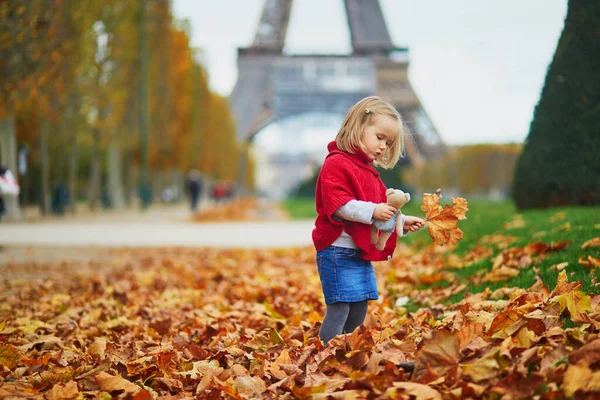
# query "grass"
(486, 218)
(300, 207)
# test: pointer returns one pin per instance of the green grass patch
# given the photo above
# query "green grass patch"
(300, 207)
(484, 218)
(575, 224)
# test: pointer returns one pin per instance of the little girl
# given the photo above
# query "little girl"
(349, 196)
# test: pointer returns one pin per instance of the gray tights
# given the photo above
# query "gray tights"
(342, 318)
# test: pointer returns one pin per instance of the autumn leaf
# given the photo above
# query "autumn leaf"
(563, 285)
(439, 355)
(575, 301)
(9, 355)
(459, 205)
(416, 390)
(209, 370)
(113, 383)
(580, 378)
(588, 353)
(276, 367)
(485, 367)
(595, 242)
(589, 262)
(500, 274)
(249, 386)
(442, 221)
(64, 391)
(97, 348)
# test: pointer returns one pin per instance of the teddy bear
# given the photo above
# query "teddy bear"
(396, 198)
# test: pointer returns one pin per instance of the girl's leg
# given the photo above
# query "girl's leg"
(334, 321)
(356, 316)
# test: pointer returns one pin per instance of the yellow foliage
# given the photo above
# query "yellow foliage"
(476, 169)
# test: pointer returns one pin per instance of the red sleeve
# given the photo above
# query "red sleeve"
(336, 178)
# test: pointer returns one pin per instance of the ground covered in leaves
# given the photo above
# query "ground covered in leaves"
(243, 324)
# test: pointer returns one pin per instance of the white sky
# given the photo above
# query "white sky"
(477, 66)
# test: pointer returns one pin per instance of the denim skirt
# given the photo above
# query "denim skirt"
(345, 276)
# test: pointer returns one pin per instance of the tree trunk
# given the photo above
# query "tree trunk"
(95, 182)
(8, 157)
(115, 181)
(73, 158)
(178, 179)
(45, 168)
(128, 178)
(156, 179)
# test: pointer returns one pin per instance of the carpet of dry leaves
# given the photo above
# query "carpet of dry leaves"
(243, 324)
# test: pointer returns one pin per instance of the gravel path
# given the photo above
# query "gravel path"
(85, 237)
(144, 234)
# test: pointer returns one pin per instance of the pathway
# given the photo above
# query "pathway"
(158, 226)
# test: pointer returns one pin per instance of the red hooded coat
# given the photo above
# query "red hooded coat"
(344, 177)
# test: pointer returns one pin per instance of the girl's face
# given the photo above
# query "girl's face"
(379, 136)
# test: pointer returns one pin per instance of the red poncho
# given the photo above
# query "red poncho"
(344, 177)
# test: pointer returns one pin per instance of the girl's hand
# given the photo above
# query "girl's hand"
(383, 211)
(413, 224)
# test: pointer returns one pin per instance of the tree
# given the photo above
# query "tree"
(75, 89)
(560, 163)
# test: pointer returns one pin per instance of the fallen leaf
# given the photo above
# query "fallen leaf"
(112, 383)
(98, 348)
(575, 301)
(416, 390)
(589, 262)
(558, 216)
(500, 274)
(484, 368)
(580, 378)
(560, 266)
(595, 242)
(63, 391)
(517, 222)
(563, 285)
(9, 355)
(276, 367)
(438, 355)
(589, 353)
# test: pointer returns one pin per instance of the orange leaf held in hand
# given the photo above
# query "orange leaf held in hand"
(442, 221)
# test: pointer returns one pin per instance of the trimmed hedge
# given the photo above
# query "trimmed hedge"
(560, 163)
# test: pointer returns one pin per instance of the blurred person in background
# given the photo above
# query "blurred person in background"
(60, 198)
(194, 188)
(221, 192)
(8, 187)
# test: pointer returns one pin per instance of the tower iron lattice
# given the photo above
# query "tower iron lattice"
(272, 85)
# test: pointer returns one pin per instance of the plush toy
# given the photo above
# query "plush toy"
(396, 198)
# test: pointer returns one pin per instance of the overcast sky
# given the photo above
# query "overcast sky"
(477, 66)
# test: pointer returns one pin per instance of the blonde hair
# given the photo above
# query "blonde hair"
(360, 115)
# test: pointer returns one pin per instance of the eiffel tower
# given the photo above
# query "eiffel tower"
(272, 85)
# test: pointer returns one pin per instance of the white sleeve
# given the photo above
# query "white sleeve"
(404, 233)
(356, 211)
